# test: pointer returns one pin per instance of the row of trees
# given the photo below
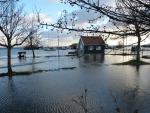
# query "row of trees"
(14, 28)
(127, 18)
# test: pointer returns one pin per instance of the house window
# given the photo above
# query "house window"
(98, 48)
(91, 48)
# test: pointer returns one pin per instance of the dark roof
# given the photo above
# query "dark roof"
(92, 40)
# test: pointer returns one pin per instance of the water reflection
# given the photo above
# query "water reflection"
(90, 58)
(11, 84)
(53, 92)
(130, 94)
(137, 69)
(22, 60)
(33, 68)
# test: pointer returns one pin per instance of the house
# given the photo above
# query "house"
(91, 45)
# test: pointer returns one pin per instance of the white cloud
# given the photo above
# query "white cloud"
(50, 38)
(45, 18)
(34, 17)
(82, 17)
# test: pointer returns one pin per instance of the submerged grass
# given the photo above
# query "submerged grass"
(37, 71)
(122, 54)
(21, 73)
(146, 57)
(133, 62)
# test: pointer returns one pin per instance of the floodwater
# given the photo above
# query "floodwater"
(108, 86)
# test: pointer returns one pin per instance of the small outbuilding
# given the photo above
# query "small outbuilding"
(21, 54)
(91, 45)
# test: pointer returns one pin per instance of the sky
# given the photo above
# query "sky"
(50, 11)
(52, 8)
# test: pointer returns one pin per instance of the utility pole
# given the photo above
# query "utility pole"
(98, 3)
(123, 46)
(58, 43)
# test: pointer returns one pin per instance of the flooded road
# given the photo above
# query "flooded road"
(54, 91)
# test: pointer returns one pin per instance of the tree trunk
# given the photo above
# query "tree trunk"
(33, 53)
(139, 43)
(10, 72)
(31, 40)
(138, 49)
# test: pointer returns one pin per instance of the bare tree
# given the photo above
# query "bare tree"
(33, 42)
(128, 18)
(14, 28)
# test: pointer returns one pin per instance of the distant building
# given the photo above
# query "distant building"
(134, 48)
(73, 46)
(29, 47)
(91, 45)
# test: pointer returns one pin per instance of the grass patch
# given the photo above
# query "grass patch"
(133, 62)
(19, 73)
(37, 71)
(121, 54)
(146, 57)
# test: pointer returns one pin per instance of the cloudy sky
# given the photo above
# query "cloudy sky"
(50, 11)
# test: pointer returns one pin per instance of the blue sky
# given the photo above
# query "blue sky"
(49, 7)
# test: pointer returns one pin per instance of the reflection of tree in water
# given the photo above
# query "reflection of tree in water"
(126, 103)
(84, 104)
(11, 93)
(11, 85)
(22, 60)
(32, 64)
(134, 93)
(129, 100)
(33, 68)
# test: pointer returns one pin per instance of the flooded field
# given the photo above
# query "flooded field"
(108, 86)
